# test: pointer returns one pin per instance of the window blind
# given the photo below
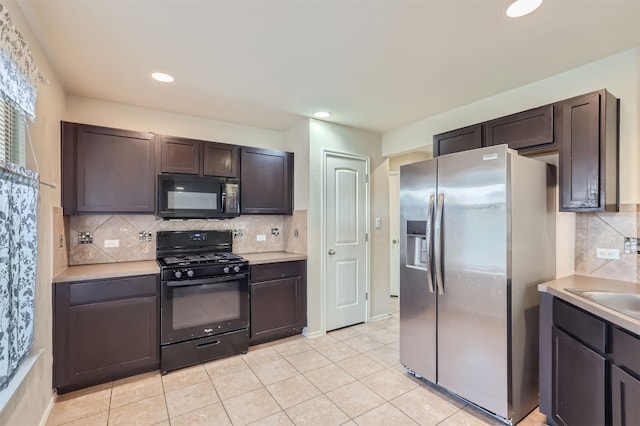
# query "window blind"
(12, 133)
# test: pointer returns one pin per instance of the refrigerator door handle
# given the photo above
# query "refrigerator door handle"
(437, 242)
(429, 244)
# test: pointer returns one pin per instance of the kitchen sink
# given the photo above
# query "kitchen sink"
(626, 303)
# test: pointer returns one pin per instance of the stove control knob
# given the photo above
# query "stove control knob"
(226, 270)
(236, 268)
(190, 273)
(177, 274)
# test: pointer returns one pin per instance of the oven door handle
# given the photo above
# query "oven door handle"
(200, 281)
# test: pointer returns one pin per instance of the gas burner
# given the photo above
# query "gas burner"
(205, 258)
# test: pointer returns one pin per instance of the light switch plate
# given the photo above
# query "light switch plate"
(603, 253)
(261, 237)
(112, 243)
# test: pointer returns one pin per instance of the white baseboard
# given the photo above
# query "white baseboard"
(380, 317)
(45, 416)
(312, 335)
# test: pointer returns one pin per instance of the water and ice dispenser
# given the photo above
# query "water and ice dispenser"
(417, 244)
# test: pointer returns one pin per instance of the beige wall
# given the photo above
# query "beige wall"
(30, 402)
(109, 114)
(323, 137)
(296, 140)
(397, 161)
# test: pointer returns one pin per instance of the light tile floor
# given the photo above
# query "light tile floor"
(348, 377)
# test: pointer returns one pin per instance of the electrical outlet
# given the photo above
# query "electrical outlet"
(613, 254)
(261, 237)
(237, 233)
(631, 245)
(377, 222)
(85, 237)
(144, 237)
(275, 232)
(112, 243)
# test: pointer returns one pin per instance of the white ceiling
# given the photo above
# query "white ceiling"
(376, 65)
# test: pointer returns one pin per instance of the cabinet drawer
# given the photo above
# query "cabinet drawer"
(274, 271)
(625, 349)
(580, 324)
(112, 289)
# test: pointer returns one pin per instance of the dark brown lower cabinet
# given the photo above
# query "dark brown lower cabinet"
(104, 330)
(579, 382)
(278, 300)
(589, 368)
(625, 397)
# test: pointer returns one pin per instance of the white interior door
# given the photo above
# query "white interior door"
(394, 233)
(346, 245)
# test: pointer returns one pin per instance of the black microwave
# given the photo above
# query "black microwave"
(197, 197)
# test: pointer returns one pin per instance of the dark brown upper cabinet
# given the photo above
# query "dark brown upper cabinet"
(526, 131)
(107, 170)
(189, 156)
(266, 181)
(589, 153)
(464, 139)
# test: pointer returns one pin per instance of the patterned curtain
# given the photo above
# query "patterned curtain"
(18, 259)
(19, 75)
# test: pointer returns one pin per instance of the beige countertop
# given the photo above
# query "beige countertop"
(107, 270)
(146, 267)
(558, 288)
(272, 257)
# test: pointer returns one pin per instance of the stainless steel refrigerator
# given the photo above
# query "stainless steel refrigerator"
(477, 236)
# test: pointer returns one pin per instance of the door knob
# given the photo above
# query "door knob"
(331, 252)
(394, 241)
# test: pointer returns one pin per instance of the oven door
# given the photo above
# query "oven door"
(203, 307)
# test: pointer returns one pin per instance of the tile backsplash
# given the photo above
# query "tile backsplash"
(128, 231)
(607, 230)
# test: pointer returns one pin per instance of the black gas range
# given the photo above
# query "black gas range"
(204, 298)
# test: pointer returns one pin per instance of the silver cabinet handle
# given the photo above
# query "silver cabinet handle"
(331, 252)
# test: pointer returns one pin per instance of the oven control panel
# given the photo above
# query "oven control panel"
(204, 271)
(197, 236)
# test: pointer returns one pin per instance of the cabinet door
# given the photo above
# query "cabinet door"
(275, 309)
(104, 330)
(579, 382)
(525, 131)
(115, 171)
(625, 398)
(180, 155)
(458, 140)
(589, 153)
(112, 339)
(266, 181)
(220, 160)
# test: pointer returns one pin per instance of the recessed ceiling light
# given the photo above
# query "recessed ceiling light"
(522, 7)
(160, 76)
(321, 114)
